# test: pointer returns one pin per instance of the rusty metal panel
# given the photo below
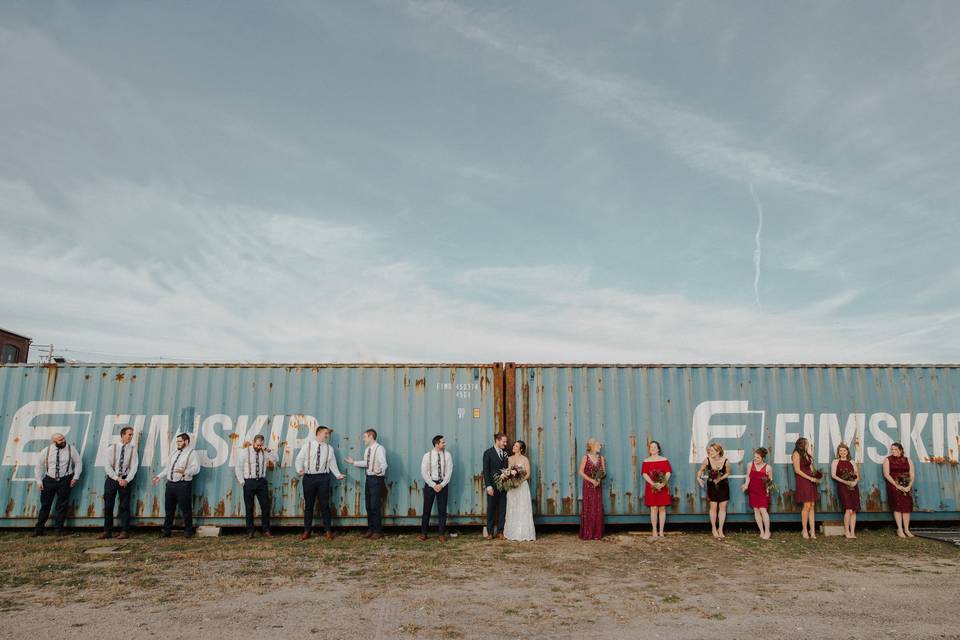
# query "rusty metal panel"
(222, 405)
(742, 407)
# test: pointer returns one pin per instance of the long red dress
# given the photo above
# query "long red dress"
(653, 498)
(849, 496)
(805, 491)
(757, 490)
(591, 510)
(898, 500)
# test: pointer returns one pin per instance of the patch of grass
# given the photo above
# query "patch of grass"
(670, 599)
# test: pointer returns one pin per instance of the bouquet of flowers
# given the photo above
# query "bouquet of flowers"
(599, 473)
(816, 474)
(847, 475)
(659, 478)
(510, 478)
(770, 486)
(715, 475)
(903, 481)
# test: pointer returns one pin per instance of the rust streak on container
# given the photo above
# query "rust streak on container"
(421, 384)
(156, 507)
(874, 500)
(567, 505)
(119, 377)
(551, 506)
(9, 510)
(139, 508)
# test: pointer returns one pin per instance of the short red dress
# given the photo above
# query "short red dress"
(806, 491)
(653, 498)
(849, 496)
(898, 500)
(757, 490)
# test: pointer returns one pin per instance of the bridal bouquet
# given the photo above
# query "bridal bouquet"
(510, 478)
(715, 475)
(599, 473)
(816, 474)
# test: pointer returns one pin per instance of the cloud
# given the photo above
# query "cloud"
(697, 139)
(247, 284)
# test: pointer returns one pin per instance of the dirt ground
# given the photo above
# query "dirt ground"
(626, 586)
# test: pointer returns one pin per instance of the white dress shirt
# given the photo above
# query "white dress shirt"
(121, 461)
(374, 460)
(57, 463)
(437, 468)
(252, 464)
(317, 457)
(183, 465)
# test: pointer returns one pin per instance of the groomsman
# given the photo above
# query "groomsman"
(179, 473)
(121, 466)
(375, 462)
(317, 463)
(494, 461)
(436, 469)
(57, 470)
(251, 472)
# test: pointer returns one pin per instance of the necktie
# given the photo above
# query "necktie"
(319, 450)
(439, 466)
(326, 463)
(369, 465)
(122, 474)
(258, 465)
(174, 465)
(57, 469)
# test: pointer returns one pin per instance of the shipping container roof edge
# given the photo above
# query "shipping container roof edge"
(529, 365)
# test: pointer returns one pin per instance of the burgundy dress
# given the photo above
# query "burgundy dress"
(898, 500)
(591, 509)
(805, 491)
(849, 496)
(757, 490)
(653, 498)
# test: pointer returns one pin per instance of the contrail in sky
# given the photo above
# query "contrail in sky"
(756, 250)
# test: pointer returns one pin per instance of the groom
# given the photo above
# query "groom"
(495, 460)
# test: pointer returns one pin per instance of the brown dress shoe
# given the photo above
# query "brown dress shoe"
(123, 536)
(421, 537)
(328, 536)
(486, 536)
(268, 534)
(442, 538)
(376, 536)
(368, 534)
(499, 536)
(304, 536)
(104, 536)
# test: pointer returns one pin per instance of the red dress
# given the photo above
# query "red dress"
(849, 496)
(653, 498)
(898, 500)
(757, 490)
(591, 510)
(806, 491)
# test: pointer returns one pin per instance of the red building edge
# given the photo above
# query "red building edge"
(13, 347)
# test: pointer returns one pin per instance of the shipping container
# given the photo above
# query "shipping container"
(224, 405)
(556, 408)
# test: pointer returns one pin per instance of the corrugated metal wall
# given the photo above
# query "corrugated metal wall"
(223, 405)
(557, 407)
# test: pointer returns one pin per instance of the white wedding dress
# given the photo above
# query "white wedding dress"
(519, 523)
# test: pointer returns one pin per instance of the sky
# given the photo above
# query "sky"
(402, 181)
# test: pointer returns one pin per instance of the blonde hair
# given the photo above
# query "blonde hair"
(714, 445)
(593, 445)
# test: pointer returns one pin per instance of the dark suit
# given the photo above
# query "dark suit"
(497, 503)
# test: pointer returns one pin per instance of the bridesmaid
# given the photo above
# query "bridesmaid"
(591, 509)
(756, 488)
(806, 493)
(718, 487)
(655, 495)
(898, 472)
(847, 490)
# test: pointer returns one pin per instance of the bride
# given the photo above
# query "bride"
(519, 522)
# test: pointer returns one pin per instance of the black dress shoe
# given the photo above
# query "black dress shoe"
(250, 534)
(164, 535)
